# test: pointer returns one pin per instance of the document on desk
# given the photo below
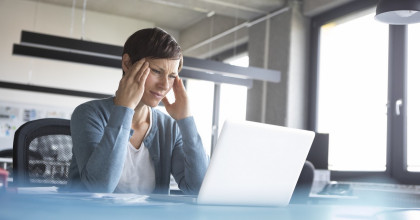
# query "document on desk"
(114, 198)
(37, 190)
(97, 198)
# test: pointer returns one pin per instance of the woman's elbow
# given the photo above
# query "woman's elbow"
(98, 185)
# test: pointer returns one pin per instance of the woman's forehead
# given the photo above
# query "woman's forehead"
(165, 64)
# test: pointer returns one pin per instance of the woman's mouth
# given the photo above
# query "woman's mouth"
(157, 95)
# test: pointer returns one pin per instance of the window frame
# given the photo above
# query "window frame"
(221, 57)
(396, 165)
(398, 57)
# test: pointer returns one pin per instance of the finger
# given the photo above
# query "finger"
(144, 76)
(181, 82)
(175, 87)
(166, 102)
(135, 68)
(176, 84)
(178, 87)
(142, 71)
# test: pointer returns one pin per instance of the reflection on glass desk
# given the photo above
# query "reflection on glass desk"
(49, 204)
(379, 194)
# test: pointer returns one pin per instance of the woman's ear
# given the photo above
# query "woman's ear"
(126, 62)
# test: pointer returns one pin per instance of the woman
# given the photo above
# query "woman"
(122, 144)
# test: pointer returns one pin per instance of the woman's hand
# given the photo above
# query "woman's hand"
(131, 87)
(180, 108)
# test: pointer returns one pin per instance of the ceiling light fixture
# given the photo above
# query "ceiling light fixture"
(80, 51)
(398, 12)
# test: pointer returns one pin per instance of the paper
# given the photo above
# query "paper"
(96, 198)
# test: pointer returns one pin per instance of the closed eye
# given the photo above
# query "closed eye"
(155, 71)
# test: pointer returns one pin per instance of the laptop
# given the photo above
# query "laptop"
(252, 164)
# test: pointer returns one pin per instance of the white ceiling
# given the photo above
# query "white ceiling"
(176, 14)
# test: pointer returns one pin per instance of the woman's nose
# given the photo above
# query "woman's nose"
(164, 83)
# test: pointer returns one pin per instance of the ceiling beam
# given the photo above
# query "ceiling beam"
(68, 49)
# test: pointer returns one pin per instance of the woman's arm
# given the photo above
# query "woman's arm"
(100, 147)
(189, 160)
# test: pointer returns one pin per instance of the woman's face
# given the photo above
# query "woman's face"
(160, 80)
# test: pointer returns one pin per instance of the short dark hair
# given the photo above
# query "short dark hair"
(154, 43)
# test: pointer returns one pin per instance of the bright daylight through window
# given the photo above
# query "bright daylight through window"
(352, 92)
(233, 97)
(413, 99)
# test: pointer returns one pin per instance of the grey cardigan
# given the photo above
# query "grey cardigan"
(100, 133)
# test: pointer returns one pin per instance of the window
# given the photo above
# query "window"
(201, 95)
(352, 91)
(233, 97)
(413, 99)
(351, 87)
(232, 103)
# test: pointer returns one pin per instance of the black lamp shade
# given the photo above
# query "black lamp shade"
(398, 12)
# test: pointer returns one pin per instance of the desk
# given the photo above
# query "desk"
(130, 206)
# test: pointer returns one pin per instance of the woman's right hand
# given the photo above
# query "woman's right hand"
(131, 87)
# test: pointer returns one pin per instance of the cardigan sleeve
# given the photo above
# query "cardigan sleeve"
(99, 145)
(189, 160)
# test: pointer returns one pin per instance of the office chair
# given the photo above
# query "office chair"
(42, 151)
(317, 159)
(318, 154)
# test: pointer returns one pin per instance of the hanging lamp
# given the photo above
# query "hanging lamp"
(398, 12)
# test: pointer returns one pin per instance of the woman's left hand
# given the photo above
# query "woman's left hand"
(180, 108)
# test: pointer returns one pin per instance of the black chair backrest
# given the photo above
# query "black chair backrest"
(318, 155)
(304, 184)
(42, 151)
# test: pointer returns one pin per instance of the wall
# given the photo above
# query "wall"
(282, 103)
(207, 28)
(297, 96)
(38, 17)
(18, 15)
(316, 7)
(267, 102)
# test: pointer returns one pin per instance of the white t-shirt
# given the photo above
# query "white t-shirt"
(138, 174)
